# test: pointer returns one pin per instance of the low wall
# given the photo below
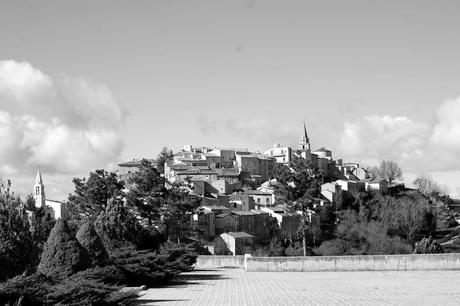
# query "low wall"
(217, 261)
(450, 261)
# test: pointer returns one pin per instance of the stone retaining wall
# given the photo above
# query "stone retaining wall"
(412, 262)
(217, 261)
(450, 261)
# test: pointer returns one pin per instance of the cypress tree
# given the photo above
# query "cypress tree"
(62, 255)
(91, 241)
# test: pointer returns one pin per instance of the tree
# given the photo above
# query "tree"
(426, 185)
(166, 209)
(410, 216)
(91, 195)
(17, 248)
(118, 226)
(63, 255)
(297, 183)
(30, 202)
(164, 155)
(388, 170)
(147, 179)
(92, 243)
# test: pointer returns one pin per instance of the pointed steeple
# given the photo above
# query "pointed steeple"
(39, 180)
(39, 191)
(304, 138)
(304, 142)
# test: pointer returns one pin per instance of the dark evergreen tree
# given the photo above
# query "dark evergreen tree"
(91, 241)
(62, 255)
(91, 195)
(164, 155)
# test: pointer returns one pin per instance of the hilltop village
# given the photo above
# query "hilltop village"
(236, 189)
(148, 222)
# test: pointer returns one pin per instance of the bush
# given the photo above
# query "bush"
(332, 248)
(17, 249)
(78, 289)
(90, 240)
(62, 255)
(141, 268)
(178, 256)
(427, 246)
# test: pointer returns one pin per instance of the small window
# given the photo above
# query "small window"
(258, 200)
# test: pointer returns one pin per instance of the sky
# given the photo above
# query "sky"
(87, 84)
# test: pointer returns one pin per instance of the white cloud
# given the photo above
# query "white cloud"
(446, 132)
(418, 147)
(67, 126)
(22, 81)
(374, 138)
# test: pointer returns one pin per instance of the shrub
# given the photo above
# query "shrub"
(78, 289)
(153, 268)
(62, 255)
(427, 246)
(332, 247)
(17, 249)
(90, 240)
(178, 256)
(118, 227)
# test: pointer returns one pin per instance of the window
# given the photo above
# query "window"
(267, 200)
(37, 190)
(258, 200)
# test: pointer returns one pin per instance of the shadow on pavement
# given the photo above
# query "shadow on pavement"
(153, 302)
(195, 279)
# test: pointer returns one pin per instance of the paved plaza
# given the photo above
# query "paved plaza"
(237, 287)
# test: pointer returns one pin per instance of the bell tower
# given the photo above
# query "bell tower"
(39, 191)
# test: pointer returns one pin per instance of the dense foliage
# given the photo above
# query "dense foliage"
(116, 238)
(363, 223)
(92, 243)
(63, 255)
(427, 246)
(17, 247)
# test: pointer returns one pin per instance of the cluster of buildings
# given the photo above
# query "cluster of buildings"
(237, 189)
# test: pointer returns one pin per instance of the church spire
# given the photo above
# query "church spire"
(39, 180)
(305, 135)
(304, 142)
(39, 191)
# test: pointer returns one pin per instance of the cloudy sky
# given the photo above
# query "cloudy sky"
(86, 84)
